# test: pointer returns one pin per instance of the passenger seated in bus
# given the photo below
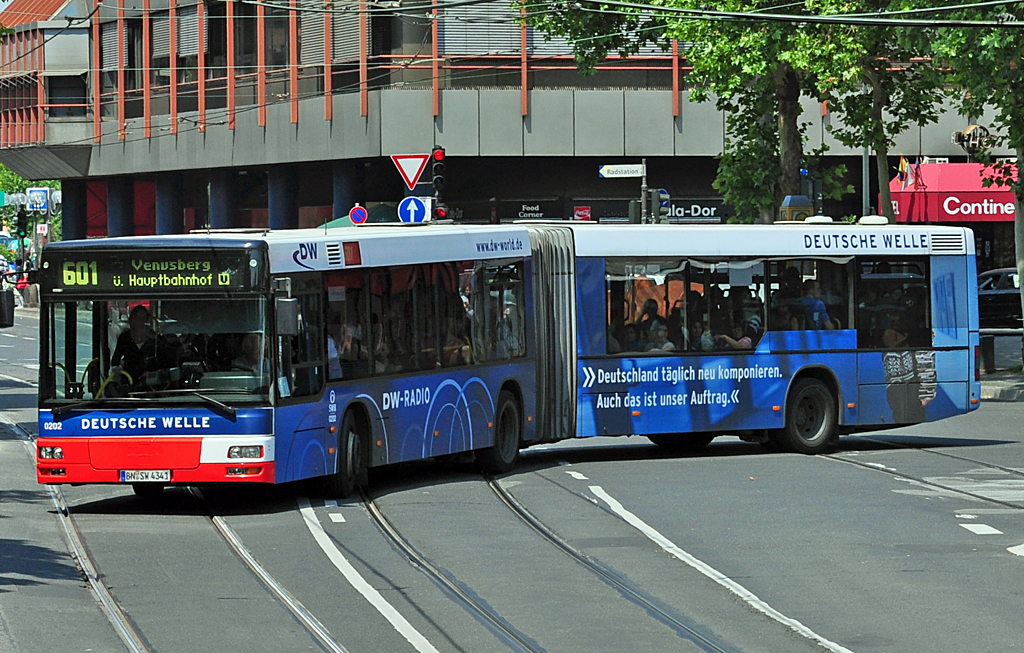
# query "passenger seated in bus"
(648, 318)
(894, 334)
(700, 339)
(456, 350)
(814, 309)
(136, 349)
(253, 358)
(629, 340)
(659, 341)
(736, 338)
(782, 319)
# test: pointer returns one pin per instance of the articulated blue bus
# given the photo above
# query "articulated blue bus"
(788, 334)
(282, 356)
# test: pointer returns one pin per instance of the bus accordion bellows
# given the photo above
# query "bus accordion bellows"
(282, 356)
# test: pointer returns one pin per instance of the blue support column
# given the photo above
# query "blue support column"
(282, 197)
(223, 199)
(74, 215)
(348, 187)
(120, 206)
(170, 217)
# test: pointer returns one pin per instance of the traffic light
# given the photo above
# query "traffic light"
(22, 224)
(659, 205)
(437, 170)
(440, 212)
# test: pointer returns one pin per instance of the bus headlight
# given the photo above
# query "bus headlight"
(51, 453)
(245, 452)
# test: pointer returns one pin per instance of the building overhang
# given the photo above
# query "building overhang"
(48, 161)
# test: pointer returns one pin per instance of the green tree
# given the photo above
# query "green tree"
(988, 68)
(10, 182)
(878, 79)
(747, 67)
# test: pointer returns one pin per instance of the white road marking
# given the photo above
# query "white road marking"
(404, 628)
(1017, 550)
(578, 476)
(965, 516)
(8, 335)
(749, 597)
(999, 489)
(982, 529)
(336, 517)
(330, 503)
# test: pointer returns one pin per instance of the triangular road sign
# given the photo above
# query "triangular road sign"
(410, 166)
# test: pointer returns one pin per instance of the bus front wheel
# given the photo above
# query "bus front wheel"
(508, 432)
(351, 469)
(810, 417)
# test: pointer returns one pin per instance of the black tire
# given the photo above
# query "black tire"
(147, 490)
(810, 417)
(681, 442)
(351, 472)
(501, 457)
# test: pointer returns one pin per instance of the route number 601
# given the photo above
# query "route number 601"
(80, 273)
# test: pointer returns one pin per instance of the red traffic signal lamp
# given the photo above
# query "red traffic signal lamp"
(440, 212)
(437, 168)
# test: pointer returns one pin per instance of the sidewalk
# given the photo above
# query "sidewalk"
(1007, 382)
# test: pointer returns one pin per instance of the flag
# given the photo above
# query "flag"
(918, 182)
(903, 172)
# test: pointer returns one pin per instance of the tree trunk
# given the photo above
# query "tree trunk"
(884, 196)
(787, 92)
(877, 139)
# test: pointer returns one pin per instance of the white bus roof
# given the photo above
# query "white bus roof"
(776, 240)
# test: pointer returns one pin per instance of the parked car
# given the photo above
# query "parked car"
(999, 299)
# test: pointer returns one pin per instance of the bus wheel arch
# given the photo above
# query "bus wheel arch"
(354, 435)
(812, 412)
(502, 455)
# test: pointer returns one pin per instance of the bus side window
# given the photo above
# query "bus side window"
(301, 356)
(893, 310)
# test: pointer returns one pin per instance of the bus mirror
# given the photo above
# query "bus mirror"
(287, 316)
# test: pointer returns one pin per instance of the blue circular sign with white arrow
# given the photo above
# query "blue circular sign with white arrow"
(412, 209)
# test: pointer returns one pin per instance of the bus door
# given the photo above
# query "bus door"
(302, 446)
(896, 359)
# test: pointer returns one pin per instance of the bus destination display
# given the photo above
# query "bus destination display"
(156, 271)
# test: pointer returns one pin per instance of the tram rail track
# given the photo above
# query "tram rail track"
(839, 457)
(129, 632)
(508, 633)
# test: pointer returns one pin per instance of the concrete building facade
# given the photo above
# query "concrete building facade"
(162, 116)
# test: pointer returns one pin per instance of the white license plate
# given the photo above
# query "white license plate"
(145, 476)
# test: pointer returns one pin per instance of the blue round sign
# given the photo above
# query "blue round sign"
(412, 209)
(357, 215)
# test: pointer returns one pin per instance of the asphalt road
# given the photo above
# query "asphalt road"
(905, 540)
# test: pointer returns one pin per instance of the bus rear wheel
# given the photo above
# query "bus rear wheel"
(351, 471)
(501, 457)
(681, 442)
(810, 417)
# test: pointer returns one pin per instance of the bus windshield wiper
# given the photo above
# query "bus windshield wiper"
(89, 403)
(226, 409)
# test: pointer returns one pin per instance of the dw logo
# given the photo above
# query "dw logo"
(305, 252)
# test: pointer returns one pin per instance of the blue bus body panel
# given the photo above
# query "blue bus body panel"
(590, 312)
(678, 394)
(412, 417)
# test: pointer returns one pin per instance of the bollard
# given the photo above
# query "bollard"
(988, 354)
(6, 308)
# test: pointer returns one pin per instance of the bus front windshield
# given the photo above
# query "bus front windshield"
(168, 350)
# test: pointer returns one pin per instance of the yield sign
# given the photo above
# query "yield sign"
(410, 166)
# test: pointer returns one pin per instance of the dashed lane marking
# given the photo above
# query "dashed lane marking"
(1017, 550)
(370, 593)
(578, 476)
(336, 517)
(982, 529)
